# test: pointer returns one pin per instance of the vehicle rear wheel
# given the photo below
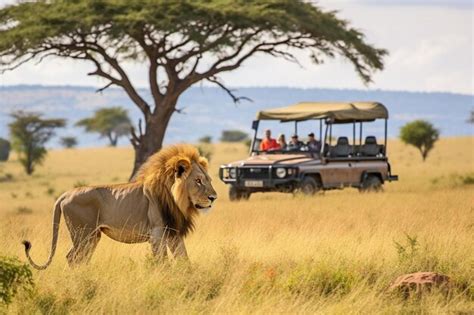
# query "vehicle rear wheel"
(236, 194)
(371, 183)
(308, 186)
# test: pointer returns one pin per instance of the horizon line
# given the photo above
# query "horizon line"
(246, 87)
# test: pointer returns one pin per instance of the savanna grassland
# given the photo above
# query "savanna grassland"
(335, 253)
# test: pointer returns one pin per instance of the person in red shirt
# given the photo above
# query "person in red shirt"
(268, 143)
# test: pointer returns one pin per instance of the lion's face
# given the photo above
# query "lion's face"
(200, 190)
(192, 189)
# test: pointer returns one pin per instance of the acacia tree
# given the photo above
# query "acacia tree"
(68, 142)
(420, 134)
(111, 123)
(29, 133)
(182, 42)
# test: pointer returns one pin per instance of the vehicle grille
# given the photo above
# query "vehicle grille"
(254, 173)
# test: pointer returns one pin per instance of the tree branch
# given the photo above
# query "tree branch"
(104, 88)
(235, 99)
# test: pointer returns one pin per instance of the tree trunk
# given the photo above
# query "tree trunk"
(112, 140)
(151, 140)
(29, 160)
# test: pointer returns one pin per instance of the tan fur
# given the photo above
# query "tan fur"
(158, 206)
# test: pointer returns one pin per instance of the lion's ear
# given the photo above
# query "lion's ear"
(181, 165)
(204, 163)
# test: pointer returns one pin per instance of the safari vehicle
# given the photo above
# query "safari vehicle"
(361, 165)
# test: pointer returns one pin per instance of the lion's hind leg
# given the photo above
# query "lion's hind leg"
(84, 244)
(82, 223)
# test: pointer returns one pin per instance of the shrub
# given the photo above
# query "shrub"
(409, 250)
(7, 177)
(14, 276)
(68, 142)
(205, 139)
(24, 210)
(205, 150)
(50, 191)
(4, 149)
(80, 183)
(468, 179)
(233, 136)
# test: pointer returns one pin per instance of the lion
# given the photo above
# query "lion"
(158, 206)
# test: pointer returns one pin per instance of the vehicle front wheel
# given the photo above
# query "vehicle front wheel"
(236, 194)
(308, 186)
(371, 183)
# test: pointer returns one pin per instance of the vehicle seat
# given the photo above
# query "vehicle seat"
(370, 147)
(342, 148)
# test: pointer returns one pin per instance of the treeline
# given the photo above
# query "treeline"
(29, 133)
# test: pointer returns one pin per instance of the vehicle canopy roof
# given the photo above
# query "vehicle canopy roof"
(337, 112)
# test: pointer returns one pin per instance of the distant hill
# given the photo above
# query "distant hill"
(208, 110)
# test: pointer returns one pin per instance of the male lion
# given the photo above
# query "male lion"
(158, 206)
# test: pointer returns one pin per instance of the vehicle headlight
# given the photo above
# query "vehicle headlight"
(281, 172)
(232, 173)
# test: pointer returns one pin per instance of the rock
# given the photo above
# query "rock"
(420, 281)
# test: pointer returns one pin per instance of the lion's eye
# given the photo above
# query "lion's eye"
(198, 181)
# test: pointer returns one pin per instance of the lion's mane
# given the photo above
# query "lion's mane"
(160, 183)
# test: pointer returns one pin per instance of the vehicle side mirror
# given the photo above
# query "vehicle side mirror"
(255, 124)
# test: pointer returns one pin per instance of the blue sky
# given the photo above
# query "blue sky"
(430, 44)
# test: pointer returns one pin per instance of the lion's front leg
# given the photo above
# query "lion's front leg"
(158, 242)
(177, 247)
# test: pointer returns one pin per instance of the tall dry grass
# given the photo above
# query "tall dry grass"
(334, 253)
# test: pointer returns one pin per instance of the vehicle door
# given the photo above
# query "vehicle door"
(336, 173)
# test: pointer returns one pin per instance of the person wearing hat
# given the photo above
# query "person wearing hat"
(313, 144)
(295, 144)
(268, 143)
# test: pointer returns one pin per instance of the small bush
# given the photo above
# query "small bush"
(80, 183)
(205, 150)
(49, 303)
(14, 277)
(7, 177)
(24, 210)
(205, 139)
(407, 250)
(233, 136)
(50, 191)
(453, 180)
(468, 179)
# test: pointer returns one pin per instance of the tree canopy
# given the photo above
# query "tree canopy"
(29, 133)
(182, 42)
(112, 122)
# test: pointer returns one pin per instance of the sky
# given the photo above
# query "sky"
(430, 43)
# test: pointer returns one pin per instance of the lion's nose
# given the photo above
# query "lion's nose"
(212, 198)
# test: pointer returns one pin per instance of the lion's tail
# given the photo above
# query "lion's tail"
(56, 220)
